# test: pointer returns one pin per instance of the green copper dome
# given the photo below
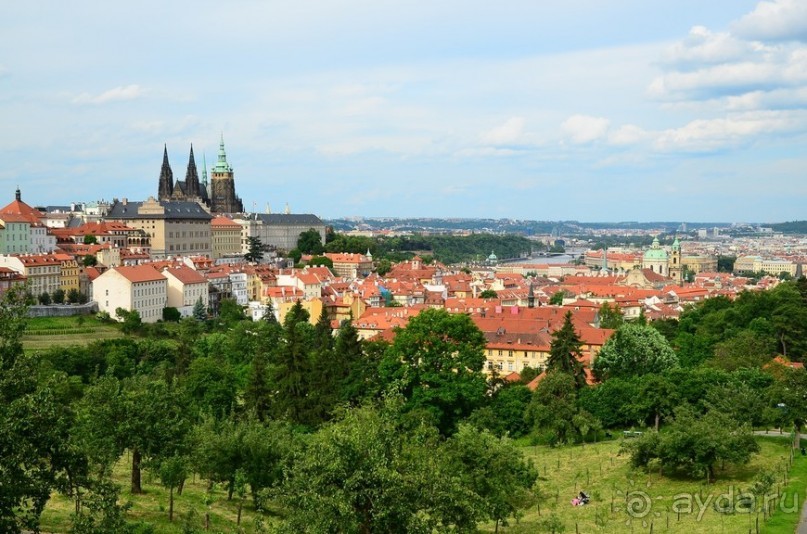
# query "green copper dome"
(655, 252)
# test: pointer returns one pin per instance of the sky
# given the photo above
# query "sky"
(625, 110)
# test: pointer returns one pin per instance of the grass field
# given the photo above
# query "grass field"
(622, 500)
(152, 506)
(45, 332)
(626, 500)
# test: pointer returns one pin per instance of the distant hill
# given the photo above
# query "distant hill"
(792, 227)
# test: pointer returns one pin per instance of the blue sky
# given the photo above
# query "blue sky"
(581, 109)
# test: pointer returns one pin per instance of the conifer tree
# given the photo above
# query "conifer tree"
(564, 354)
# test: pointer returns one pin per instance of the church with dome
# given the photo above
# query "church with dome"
(657, 260)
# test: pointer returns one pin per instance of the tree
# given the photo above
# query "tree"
(564, 352)
(488, 294)
(58, 296)
(89, 260)
(35, 426)
(171, 314)
(436, 361)
(610, 316)
(321, 261)
(73, 296)
(199, 310)
(231, 312)
(634, 350)
(173, 472)
(494, 469)
(363, 473)
(695, 445)
(504, 415)
(383, 267)
(90, 239)
(257, 391)
(557, 298)
(291, 372)
(131, 320)
(254, 250)
(747, 349)
(44, 298)
(310, 242)
(553, 406)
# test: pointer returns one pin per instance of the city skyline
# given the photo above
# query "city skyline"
(578, 110)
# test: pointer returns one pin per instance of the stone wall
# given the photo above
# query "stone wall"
(63, 310)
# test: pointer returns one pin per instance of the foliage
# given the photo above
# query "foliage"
(488, 294)
(130, 319)
(634, 350)
(254, 250)
(58, 296)
(199, 310)
(89, 260)
(90, 239)
(171, 314)
(564, 352)
(101, 513)
(321, 261)
(553, 409)
(310, 242)
(695, 445)
(557, 298)
(73, 296)
(610, 316)
(435, 362)
(504, 414)
(44, 298)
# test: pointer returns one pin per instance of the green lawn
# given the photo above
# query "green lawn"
(45, 332)
(152, 506)
(627, 500)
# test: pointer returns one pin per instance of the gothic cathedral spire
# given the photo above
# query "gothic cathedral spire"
(192, 179)
(166, 187)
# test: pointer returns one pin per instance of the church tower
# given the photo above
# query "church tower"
(192, 179)
(222, 186)
(166, 187)
(676, 269)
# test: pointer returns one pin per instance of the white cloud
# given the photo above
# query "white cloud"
(775, 20)
(509, 133)
(629, 134)
(703, 46)
(706, 135)
(584, 128)
(116, 94)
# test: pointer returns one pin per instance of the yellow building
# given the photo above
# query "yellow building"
(226, 237)
(69, 272)
(42, 271)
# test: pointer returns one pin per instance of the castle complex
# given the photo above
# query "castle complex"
(218, 195)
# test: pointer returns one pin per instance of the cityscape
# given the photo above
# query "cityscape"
(392, 268)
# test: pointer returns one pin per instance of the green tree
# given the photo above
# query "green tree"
(310, 242)
(363, 473)
(634, 350)
(504, 414)
(557, 298)
(254, 250)
(90, 239)
(553, 407)
(58, 296)
(211, 382)
(493, 469)
(383, 267)
(565, 352)
(321, 261)
(199, 310)
(34, 425)
(89, 260)
(291, 372)
(747, 349)
(171, 314)
(173, 472)
(44, 298)
(73, 296)
(610, 316)
(696, 445)
(436, 362)
(488, 294)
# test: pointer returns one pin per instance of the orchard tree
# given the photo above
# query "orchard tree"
(634, 350)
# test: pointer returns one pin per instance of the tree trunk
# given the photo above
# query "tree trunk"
(180, 486)
(230, 489)
(658, 420)
(171, 504)
(136, 487)
(240, 507)
(207, 520)
(497, 526)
